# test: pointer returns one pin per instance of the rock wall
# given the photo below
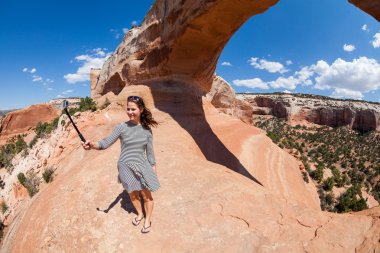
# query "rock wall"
(360, 115)
(182, 40)
(178, 40)
(19, 121)
(372, 7)
(223, 97)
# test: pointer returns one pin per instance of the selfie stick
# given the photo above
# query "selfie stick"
(65, 105)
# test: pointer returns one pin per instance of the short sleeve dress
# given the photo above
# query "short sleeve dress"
(136, 156)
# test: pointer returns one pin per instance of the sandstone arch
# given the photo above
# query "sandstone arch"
(182, 40)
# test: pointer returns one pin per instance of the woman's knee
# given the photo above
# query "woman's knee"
(134, 195)
(147, 195)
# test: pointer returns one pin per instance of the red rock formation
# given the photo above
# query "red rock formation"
(372, 7)
(334, 117)
(20, 121)
(278, 212)
(366, 120)
(223, 97)
(277, 108)
(178, 40)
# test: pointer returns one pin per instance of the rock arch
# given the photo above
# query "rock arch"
(182, 40)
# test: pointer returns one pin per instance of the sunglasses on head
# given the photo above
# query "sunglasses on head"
(135, 98)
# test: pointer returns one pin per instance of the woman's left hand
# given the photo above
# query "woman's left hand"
(154, 168)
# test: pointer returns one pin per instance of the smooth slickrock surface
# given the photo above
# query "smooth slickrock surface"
(203, 206)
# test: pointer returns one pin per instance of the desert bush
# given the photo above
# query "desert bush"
(32, 183)
(2, 226)
(328, 184)
(305, 176)
(4, 207)
(48, 175)
(21, 178)
(86, 104)
(351, 200)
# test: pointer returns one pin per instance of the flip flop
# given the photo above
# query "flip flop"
(136, 222)
(144, 229)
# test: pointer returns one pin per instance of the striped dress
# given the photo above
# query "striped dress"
(136, 157)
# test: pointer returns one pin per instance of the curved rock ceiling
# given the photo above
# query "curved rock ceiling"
(182, 40)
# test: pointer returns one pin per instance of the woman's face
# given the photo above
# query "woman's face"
(133, 111)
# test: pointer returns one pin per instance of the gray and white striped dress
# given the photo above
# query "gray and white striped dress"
(136, 156)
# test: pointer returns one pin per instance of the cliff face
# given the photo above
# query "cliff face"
(362, 116)
(223, 97)
(20, 121)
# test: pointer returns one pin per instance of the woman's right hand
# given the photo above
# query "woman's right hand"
(86, 145)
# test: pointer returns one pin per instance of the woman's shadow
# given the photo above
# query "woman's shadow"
(125, 202)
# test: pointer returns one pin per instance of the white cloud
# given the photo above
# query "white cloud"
(251, 83)
(304, 76)
(289, 62)
(82, 74)
(67, 92)
(115, 33)
(345, 79)
(269, 66)
(125, 30)
(346, 93)
(36, 78)
(99, 51)
(285, 82)
(134, 23)
(365, 28)
(362, 74)
(33, 70)
(286, 91)
(376, 41)
(348, 47)
(226, 63)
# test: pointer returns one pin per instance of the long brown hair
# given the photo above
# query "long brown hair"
(146, 117)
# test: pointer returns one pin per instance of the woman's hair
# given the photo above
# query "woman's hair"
(146, 117)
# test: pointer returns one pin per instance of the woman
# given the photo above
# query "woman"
(136, 165)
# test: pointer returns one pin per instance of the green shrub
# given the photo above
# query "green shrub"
(328, 184)
(21, 178)
(305, 176)
(86, 104)
(351, 200)
(2, 183)
(31, 182)
(2, 226)
(4, 207)
(317, 174)
(275, 137)
(48, 175)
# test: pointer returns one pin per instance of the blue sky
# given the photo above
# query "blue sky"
(313, 46)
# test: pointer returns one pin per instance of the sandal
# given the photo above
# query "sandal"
(144, 229)
(136, 222)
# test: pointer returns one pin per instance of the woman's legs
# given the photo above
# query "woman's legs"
(148, 205)
(135, 198)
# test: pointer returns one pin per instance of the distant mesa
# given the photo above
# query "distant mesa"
(20, 121)
(296, 108)
(57, 102)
